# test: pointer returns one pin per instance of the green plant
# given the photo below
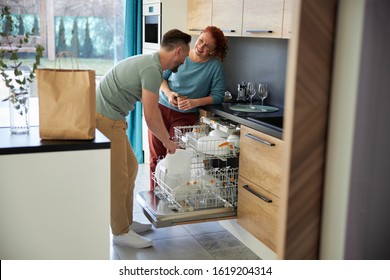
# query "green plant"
(9, 55)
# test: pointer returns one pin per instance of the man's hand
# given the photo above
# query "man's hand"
(171, 147)
(172, 98)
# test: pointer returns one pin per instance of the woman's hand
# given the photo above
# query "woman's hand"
(172, 98)
(187, 104)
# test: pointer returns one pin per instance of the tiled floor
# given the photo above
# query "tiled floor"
(201, 241)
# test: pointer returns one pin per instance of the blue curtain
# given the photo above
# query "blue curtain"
(133, 46)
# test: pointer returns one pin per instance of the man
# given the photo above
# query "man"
(137, 78)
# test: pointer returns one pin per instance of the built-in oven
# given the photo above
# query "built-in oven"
(151, 26)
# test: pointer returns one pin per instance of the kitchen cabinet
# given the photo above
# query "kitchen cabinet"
(262, 18)
(199, 15)
(259, 184)
(258, 215)
(227, 15)
(246, 18)
(287, 18)
(174, 15)
(308, 90)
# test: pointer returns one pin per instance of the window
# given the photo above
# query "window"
(91, 30)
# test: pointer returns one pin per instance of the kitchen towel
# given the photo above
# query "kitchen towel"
(67, 104)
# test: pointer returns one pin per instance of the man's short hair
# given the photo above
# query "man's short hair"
(173, 38)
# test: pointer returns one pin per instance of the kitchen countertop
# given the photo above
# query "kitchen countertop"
(32, 143)
(223, 110)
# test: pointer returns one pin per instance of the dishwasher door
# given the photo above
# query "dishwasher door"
(161, 213)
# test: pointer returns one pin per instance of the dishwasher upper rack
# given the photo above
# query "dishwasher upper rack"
(194, 137)
(217, 187)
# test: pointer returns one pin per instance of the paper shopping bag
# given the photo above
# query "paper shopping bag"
(67, 104)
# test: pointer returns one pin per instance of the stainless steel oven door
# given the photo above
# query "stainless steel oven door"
(151, 26)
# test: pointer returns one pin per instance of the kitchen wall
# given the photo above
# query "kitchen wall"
(257, 60)
(368, 223)
(355, 223)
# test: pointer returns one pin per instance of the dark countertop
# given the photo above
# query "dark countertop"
(223, 110)
(32, 143)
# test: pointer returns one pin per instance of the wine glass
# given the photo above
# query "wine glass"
(262, 93)
(251, 90)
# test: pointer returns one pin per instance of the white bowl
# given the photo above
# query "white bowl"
(179, 162)
(170, 179)
(234, 139)
(218, 133)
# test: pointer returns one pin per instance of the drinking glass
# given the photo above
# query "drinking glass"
(251, 90)
(262, 93)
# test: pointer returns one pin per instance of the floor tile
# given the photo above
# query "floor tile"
(224, 246)
(234, 253)
(166, 232)
(206, 227)
(180, 248)
(214, 241)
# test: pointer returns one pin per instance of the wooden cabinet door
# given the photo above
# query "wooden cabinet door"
(199, 15)
(257, 212)
(261, 159)
(259, 184)
(287, 19)
(263, 18)
(227, 15)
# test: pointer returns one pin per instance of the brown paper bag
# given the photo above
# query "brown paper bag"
(67, 104)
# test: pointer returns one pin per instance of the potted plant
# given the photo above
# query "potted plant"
(16, 76)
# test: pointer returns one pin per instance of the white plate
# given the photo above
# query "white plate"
(254, 108)
(210, 145)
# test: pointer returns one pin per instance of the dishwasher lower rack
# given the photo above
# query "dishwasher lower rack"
(215, 188)
(206, 147)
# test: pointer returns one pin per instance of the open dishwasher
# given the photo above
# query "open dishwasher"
(206, 187)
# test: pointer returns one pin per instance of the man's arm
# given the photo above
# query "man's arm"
(172, 96)
(154, 120)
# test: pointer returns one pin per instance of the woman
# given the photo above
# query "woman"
(200, 80)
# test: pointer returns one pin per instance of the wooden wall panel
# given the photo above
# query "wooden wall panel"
(306, 113)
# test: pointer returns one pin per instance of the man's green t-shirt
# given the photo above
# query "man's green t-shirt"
(122, 86)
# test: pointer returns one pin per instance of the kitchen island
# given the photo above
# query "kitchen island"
(54, 197)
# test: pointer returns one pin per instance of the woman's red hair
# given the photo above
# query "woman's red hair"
(221, 42)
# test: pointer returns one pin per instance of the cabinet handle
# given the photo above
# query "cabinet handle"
(259, 140)
(224, 30)
(258, 31)
(262, 197)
